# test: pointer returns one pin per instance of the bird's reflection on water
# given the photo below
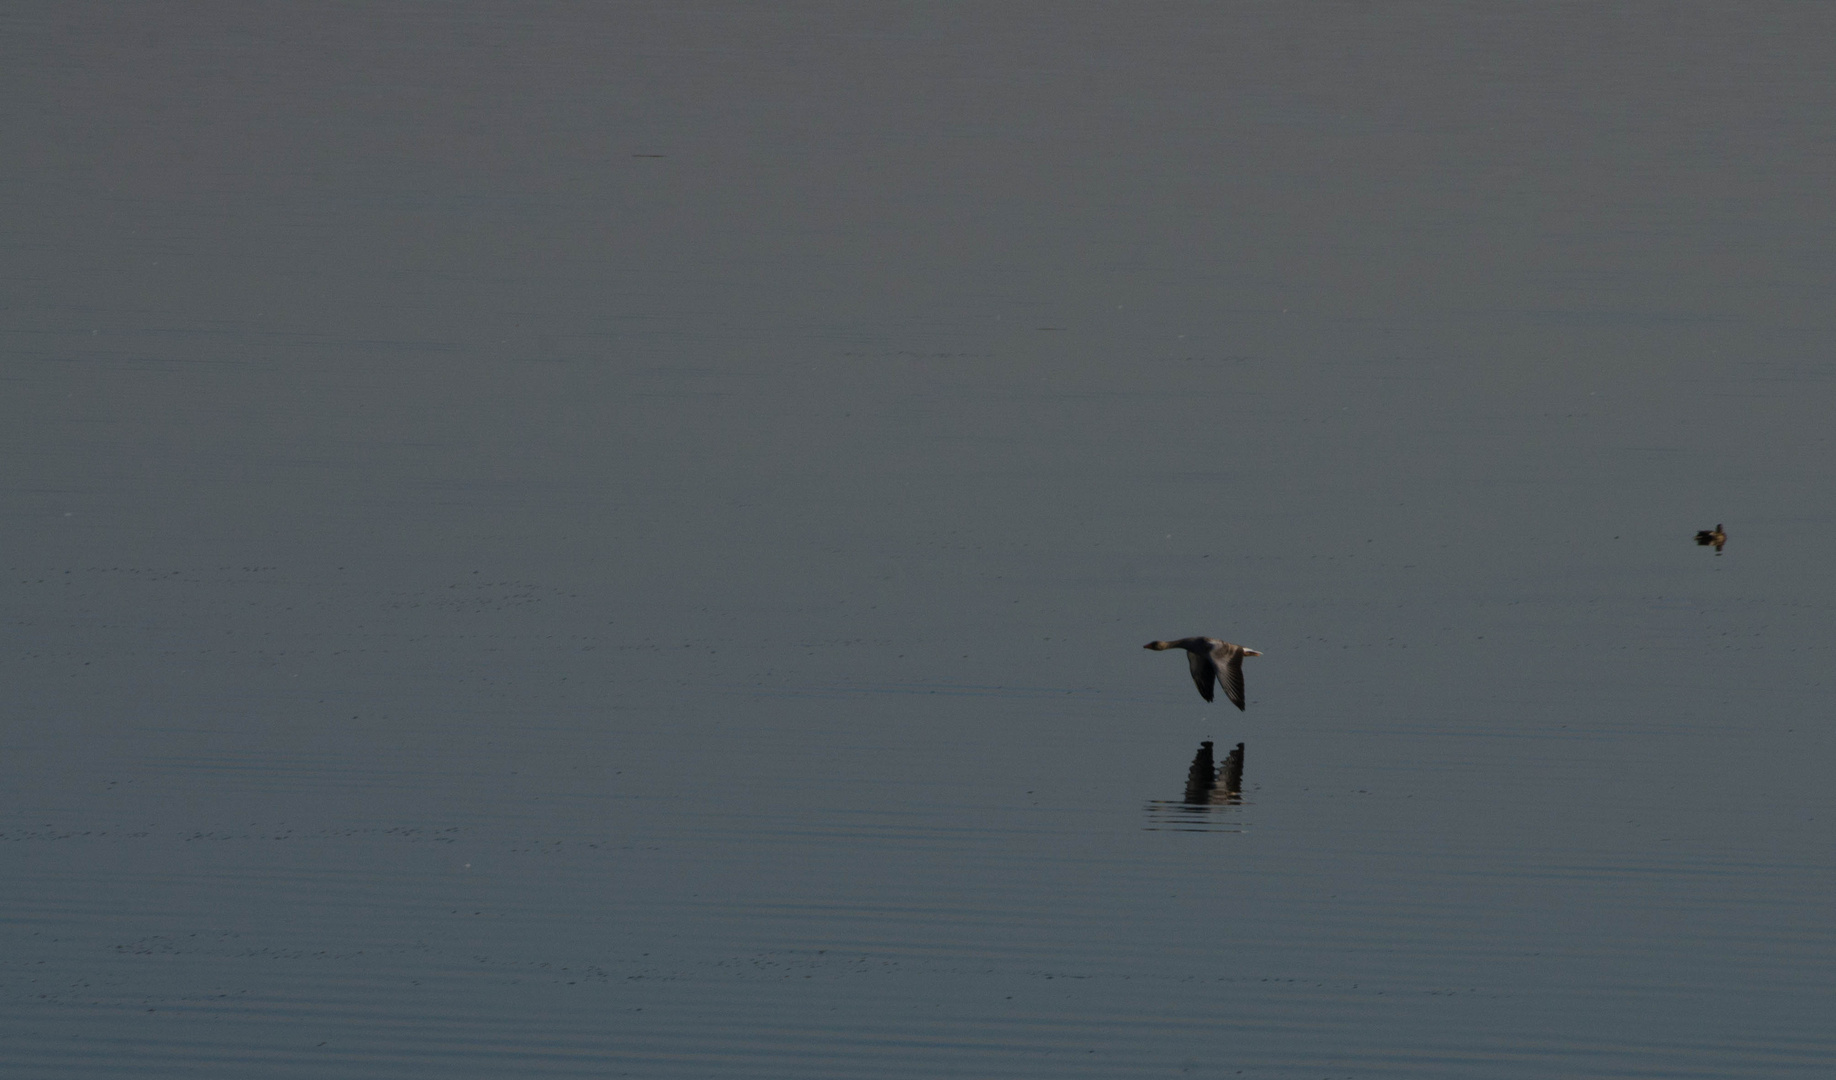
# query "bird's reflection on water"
(1214, 794)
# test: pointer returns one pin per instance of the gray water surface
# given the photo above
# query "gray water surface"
(553, 540)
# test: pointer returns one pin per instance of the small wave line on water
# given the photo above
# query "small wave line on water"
(944, 689)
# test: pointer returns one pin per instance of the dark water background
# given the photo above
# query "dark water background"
(615, 539)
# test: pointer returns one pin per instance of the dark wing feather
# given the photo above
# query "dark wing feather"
(1232, 677)
(1204, 672)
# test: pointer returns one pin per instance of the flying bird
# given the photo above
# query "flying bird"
(1212, 662)
(1705, 537)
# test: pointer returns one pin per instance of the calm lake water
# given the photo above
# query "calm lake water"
(578, 540)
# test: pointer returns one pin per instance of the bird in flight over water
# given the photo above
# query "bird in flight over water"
(1212, 662)
(1705, 537)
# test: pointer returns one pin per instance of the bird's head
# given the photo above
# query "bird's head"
(1158, 646)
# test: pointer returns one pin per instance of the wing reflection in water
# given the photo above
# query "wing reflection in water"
(1214, 794)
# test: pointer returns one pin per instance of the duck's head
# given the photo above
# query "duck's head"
(1158, 646)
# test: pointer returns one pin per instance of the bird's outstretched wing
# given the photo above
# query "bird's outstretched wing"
(1204, 672)
(1231, 675)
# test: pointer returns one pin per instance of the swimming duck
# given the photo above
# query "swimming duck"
(1212, 661)
(1705, 537)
